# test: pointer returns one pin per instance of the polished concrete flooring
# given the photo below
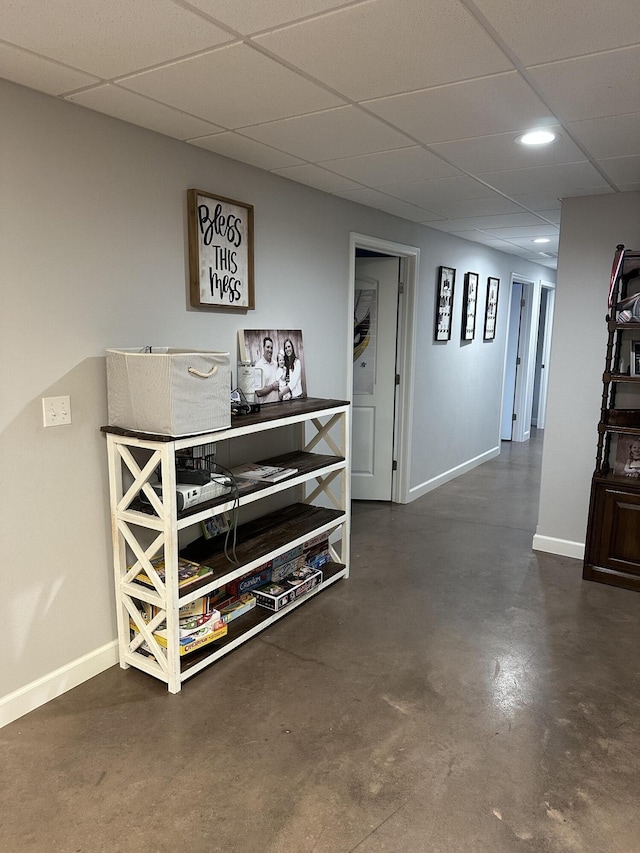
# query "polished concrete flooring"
(458, 694)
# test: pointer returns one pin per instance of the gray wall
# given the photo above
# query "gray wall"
(93, 255)
(590, 230)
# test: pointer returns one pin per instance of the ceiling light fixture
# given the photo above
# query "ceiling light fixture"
(542, 240)
(537, 137)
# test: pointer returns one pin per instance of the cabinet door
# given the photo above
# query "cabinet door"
(616, 545)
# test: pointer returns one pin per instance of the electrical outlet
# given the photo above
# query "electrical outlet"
(56, 411)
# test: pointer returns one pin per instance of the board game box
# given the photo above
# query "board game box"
(275, 596)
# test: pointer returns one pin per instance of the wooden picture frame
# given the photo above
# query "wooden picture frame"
(444, 303)
(491, 308)
(220, 251)
(469, 304)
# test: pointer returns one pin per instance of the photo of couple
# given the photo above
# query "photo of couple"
(278, 361)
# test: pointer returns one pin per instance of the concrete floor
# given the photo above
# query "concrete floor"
(458, 693)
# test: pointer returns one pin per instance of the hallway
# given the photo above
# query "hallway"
(458, 694)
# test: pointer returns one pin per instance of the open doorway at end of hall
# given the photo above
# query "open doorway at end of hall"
(382, 299)
(527, 351)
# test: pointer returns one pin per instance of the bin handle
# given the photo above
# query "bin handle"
(195, 372)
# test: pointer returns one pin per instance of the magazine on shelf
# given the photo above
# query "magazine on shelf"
(262, 473)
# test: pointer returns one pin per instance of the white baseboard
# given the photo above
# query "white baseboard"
(424, 488)
(561, 547)
(55, 683)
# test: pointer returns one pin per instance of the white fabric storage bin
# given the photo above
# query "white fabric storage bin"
(168, 391)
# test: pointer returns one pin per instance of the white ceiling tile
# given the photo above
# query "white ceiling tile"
(108, 37)
(372, 49)
(390, 167)
(245, 150)
(488, 206)
(494, 242)
(529, 247)
(316, 177)
(613, 136)
(550, 215)
(501, 151)
(136, 109)
(252, 17)
(530, 231)
(486, 223)
(328, 135)
(623, 171)
(472, 235)
(432, 194)
(538, 201)
(490, 105)
(543, 30)
(262, 90)
(603, 84)
(564, 179)
(374, 198)
(450, 226)
(34, 71)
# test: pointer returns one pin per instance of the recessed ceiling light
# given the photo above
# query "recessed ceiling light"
(537, 137)
(542, 240)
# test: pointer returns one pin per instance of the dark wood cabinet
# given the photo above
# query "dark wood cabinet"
(612, 551)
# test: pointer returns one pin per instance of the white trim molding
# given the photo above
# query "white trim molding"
(561, 547)
(429, 485)
(55, 683)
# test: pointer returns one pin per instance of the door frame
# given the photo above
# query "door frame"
(525, 377)
(541, 414)
(405, 348)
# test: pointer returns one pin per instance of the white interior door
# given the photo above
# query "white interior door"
(374, 377)
(511, 362)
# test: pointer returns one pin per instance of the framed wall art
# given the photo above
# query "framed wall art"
(491, 308)
(220, 251)
(444, 302)
(469, 304)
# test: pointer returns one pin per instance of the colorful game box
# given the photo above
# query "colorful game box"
(238, 607)
(275, 596)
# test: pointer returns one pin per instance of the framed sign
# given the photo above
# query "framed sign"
(491, 308)
(220, 251)
(444, 304)
(469, 306)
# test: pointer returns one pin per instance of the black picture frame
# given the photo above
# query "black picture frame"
(469, 305)
(491, 308)
(444, 303)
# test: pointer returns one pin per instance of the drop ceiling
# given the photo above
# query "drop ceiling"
(408, 106)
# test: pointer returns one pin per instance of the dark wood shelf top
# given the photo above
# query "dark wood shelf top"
(630, 484)
(258, 538)
(619, 377)
(614, 326)
(628, 430)
(305, 462)
(269, 413)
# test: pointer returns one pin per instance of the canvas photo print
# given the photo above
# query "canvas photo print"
(271, 365)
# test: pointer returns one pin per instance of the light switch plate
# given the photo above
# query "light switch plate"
(56, 411)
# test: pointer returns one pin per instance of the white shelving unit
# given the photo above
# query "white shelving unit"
(139, 535)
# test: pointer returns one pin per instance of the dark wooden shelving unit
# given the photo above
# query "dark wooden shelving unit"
(612, 548)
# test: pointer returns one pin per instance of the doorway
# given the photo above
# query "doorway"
(526, 358)
(383, 283)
